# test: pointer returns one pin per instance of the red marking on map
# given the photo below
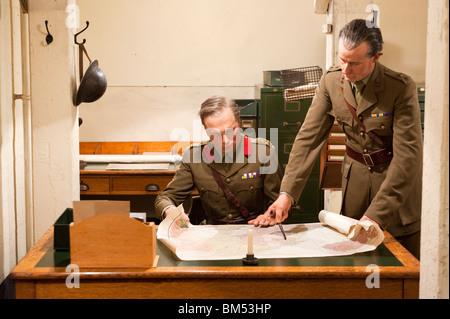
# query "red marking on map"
(343, 245)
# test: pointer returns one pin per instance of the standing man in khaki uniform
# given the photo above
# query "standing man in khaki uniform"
(247, 167)
(381, 172)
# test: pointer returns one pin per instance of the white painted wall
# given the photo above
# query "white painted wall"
(8, 255)
(403, 24)
(54, 118)
(434, 267)
(39, 167)
(162, 59)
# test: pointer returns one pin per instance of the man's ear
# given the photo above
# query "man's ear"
(377, 56)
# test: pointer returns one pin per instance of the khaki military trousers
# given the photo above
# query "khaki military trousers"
(359, 187)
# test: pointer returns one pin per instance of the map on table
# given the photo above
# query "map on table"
(223, 242)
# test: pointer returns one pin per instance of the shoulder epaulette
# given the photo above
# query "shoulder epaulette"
(334, 68)
(262, 141)
(397, 75)
(198, 144)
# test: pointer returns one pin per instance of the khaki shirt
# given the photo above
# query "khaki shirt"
(252, 190)
(391, 193)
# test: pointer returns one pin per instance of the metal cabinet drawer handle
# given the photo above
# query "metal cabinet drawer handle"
(152, 188)
(84, 187)
(292, 124)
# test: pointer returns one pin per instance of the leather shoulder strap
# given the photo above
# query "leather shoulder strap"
(371, 134)
(230, 197)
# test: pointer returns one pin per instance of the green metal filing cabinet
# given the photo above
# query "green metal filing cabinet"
(249, 113)
(288, 117)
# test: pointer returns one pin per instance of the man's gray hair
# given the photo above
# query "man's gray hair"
(215, 105)
(357, 31)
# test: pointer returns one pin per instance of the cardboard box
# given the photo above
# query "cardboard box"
(61, 238)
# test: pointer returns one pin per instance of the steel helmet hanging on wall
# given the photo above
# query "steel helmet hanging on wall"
(92, 86)
(93, 83)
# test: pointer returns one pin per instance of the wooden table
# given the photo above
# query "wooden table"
(97, 179)
(42, 274)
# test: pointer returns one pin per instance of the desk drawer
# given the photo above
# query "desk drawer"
(139, 185)
(94, 185)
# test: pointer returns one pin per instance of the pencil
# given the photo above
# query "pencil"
(282, 231)
(272, 215)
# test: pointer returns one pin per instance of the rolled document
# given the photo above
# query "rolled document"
(342, 224)
(131, 158)
(352, 227)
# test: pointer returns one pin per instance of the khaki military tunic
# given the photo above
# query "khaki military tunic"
(246, 177)
(390, 193)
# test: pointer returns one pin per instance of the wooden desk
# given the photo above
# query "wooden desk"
(41, 274)
(96, 179)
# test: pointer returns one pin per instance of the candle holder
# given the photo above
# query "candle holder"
(250, 260)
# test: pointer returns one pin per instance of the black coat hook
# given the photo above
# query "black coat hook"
(49, 37)
(75, 36)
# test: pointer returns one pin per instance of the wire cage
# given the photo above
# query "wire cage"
(300, 83)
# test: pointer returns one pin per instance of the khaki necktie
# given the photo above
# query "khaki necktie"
(226, 165)
(358, 90)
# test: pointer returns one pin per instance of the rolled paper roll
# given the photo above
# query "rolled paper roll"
(131, 158)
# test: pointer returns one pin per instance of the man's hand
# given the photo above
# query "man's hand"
(366, 235)
(369, 219)
(181, 221)
(280, 208)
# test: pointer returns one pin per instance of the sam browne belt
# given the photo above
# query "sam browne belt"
(371, 159)
(229, 196)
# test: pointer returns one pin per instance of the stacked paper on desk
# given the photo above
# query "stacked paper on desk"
(154, 158)
(139, 166)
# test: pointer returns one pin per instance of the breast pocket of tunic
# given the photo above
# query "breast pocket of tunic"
(250, 193)
(209, 191)
(344, 119)
(379, 125)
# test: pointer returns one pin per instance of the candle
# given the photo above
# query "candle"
(250, 242)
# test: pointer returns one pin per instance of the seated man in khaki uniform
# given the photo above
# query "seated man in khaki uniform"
(246, 168)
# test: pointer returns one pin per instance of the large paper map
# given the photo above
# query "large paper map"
(221, 242)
